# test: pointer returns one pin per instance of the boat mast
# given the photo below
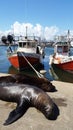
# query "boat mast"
(26, 33)
(68, 37)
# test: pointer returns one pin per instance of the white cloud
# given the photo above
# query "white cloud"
(36, 30)
(50, 32)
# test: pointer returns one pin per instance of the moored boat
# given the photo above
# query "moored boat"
(60, 74)
(29, 52)
(61, 57)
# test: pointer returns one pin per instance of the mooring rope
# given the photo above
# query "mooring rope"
(38, 74)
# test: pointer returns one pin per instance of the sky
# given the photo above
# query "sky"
(44, 18)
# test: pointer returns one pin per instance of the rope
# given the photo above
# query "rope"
(38, 74)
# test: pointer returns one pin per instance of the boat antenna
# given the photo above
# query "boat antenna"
(38, 74)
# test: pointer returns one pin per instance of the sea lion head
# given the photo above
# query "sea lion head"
(52, 113)
(45, 104)
(47, 85)
(42, 83)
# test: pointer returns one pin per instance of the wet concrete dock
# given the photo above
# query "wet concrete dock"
(35, 120)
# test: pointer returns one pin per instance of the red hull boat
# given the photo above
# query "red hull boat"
(20, 63)
(28, 53)
(61, 57)
(65, 66)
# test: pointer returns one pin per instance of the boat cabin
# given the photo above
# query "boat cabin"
(62, 48)
(27, 44)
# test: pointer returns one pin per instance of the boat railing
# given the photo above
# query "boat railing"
(10, 51)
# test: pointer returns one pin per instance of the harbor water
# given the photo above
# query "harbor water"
(6, 67)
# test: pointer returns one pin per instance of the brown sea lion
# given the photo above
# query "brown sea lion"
(27, 96)
(42, 83)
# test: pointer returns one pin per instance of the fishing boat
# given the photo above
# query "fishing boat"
(28, 53)
(61, 75)
(62, 57)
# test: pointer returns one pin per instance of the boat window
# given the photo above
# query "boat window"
(59, 49)
(28, 44)
(20, 44)
(65, 49)
(33, 45)
(24, 43)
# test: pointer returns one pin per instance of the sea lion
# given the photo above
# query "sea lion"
(42, 83)
(27, 96)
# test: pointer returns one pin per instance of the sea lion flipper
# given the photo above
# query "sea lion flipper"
(13, 116)
(16, 114)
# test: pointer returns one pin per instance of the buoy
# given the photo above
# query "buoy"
(43, 71)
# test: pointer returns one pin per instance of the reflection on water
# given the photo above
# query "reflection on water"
(29, 71)
(61, 75)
